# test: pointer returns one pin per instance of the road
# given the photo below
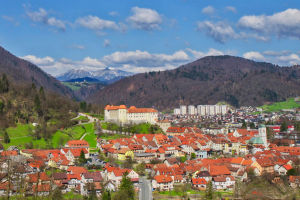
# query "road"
(145, 189)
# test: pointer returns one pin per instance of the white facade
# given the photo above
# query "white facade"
(122, 115)
(191, 110)
(183, 110)
(177, 111)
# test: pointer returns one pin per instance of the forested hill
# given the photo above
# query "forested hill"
(208, 80)
(21, 72)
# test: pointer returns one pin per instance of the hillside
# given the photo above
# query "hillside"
(209, 80)
(21, 71)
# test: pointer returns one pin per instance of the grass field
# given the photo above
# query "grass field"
(275, 107)
(22, 134)
(113, 137)
(144, 128)
(72, 86)
(82, 119)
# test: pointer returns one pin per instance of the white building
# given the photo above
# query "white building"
(183, 110)
(191, 110)
(177, 111)
(201, 110)
(122, 115)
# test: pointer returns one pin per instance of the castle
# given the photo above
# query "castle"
(132, 115)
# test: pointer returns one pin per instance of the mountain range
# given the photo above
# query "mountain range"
(211, 79)
(107, 75)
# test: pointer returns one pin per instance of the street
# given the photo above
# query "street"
(145, 189)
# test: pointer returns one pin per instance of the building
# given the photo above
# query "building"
(123, 115)
(177, 111)
(191, 110)
(201, 110)
(183, 110)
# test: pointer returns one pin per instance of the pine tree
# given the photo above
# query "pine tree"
(126, 188)
(82, 159)
(4, 84)
(209, 191)
(6, 138)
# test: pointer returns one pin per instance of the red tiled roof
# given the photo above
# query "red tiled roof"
(78, 143)
(163, 179)
(199, 181)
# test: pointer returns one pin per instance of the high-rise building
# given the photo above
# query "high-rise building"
(183, 110)
(191, 110)
(177, 111)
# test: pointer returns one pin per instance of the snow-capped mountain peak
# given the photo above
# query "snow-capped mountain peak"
(107, 75)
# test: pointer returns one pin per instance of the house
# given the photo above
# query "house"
(294, 181)
(162, 183)
(223, 182)
(74, 144)
(282, 169)
(199, 183)
(41, 189)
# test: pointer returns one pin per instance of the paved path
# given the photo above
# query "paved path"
(145, 189)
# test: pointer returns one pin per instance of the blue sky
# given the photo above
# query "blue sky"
(140, 36)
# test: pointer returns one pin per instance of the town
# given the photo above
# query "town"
(203, 152)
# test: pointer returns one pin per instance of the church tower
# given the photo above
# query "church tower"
(262, 132)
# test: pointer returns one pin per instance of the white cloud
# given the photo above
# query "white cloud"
(78, 46)
(200, 54)
(42, 16)
(286, 23)
(291, 59)
(209, 10)
(39, 61)
(95, 23)
(254, 55)
(106, 43)
(113, 13)
(145, 19)
(220, 31)
(10, 19)
(231, 9)
(144, 58)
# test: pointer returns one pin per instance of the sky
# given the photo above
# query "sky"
(139, 36)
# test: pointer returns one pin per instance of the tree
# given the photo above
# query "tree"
(83, 106)
(126, 188)
(92, 195)
(252, 125)
(37, 105)
(42, 93)
(283, 126)
(82, 159)
(209, 191)
(244, 125)
(57, 194)
(292, 172)
(128, 163)
(4, 84)
(1, 106)
(183, 159)
(106, 195)
(193, 156)
(140, 168)
(6, 138)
